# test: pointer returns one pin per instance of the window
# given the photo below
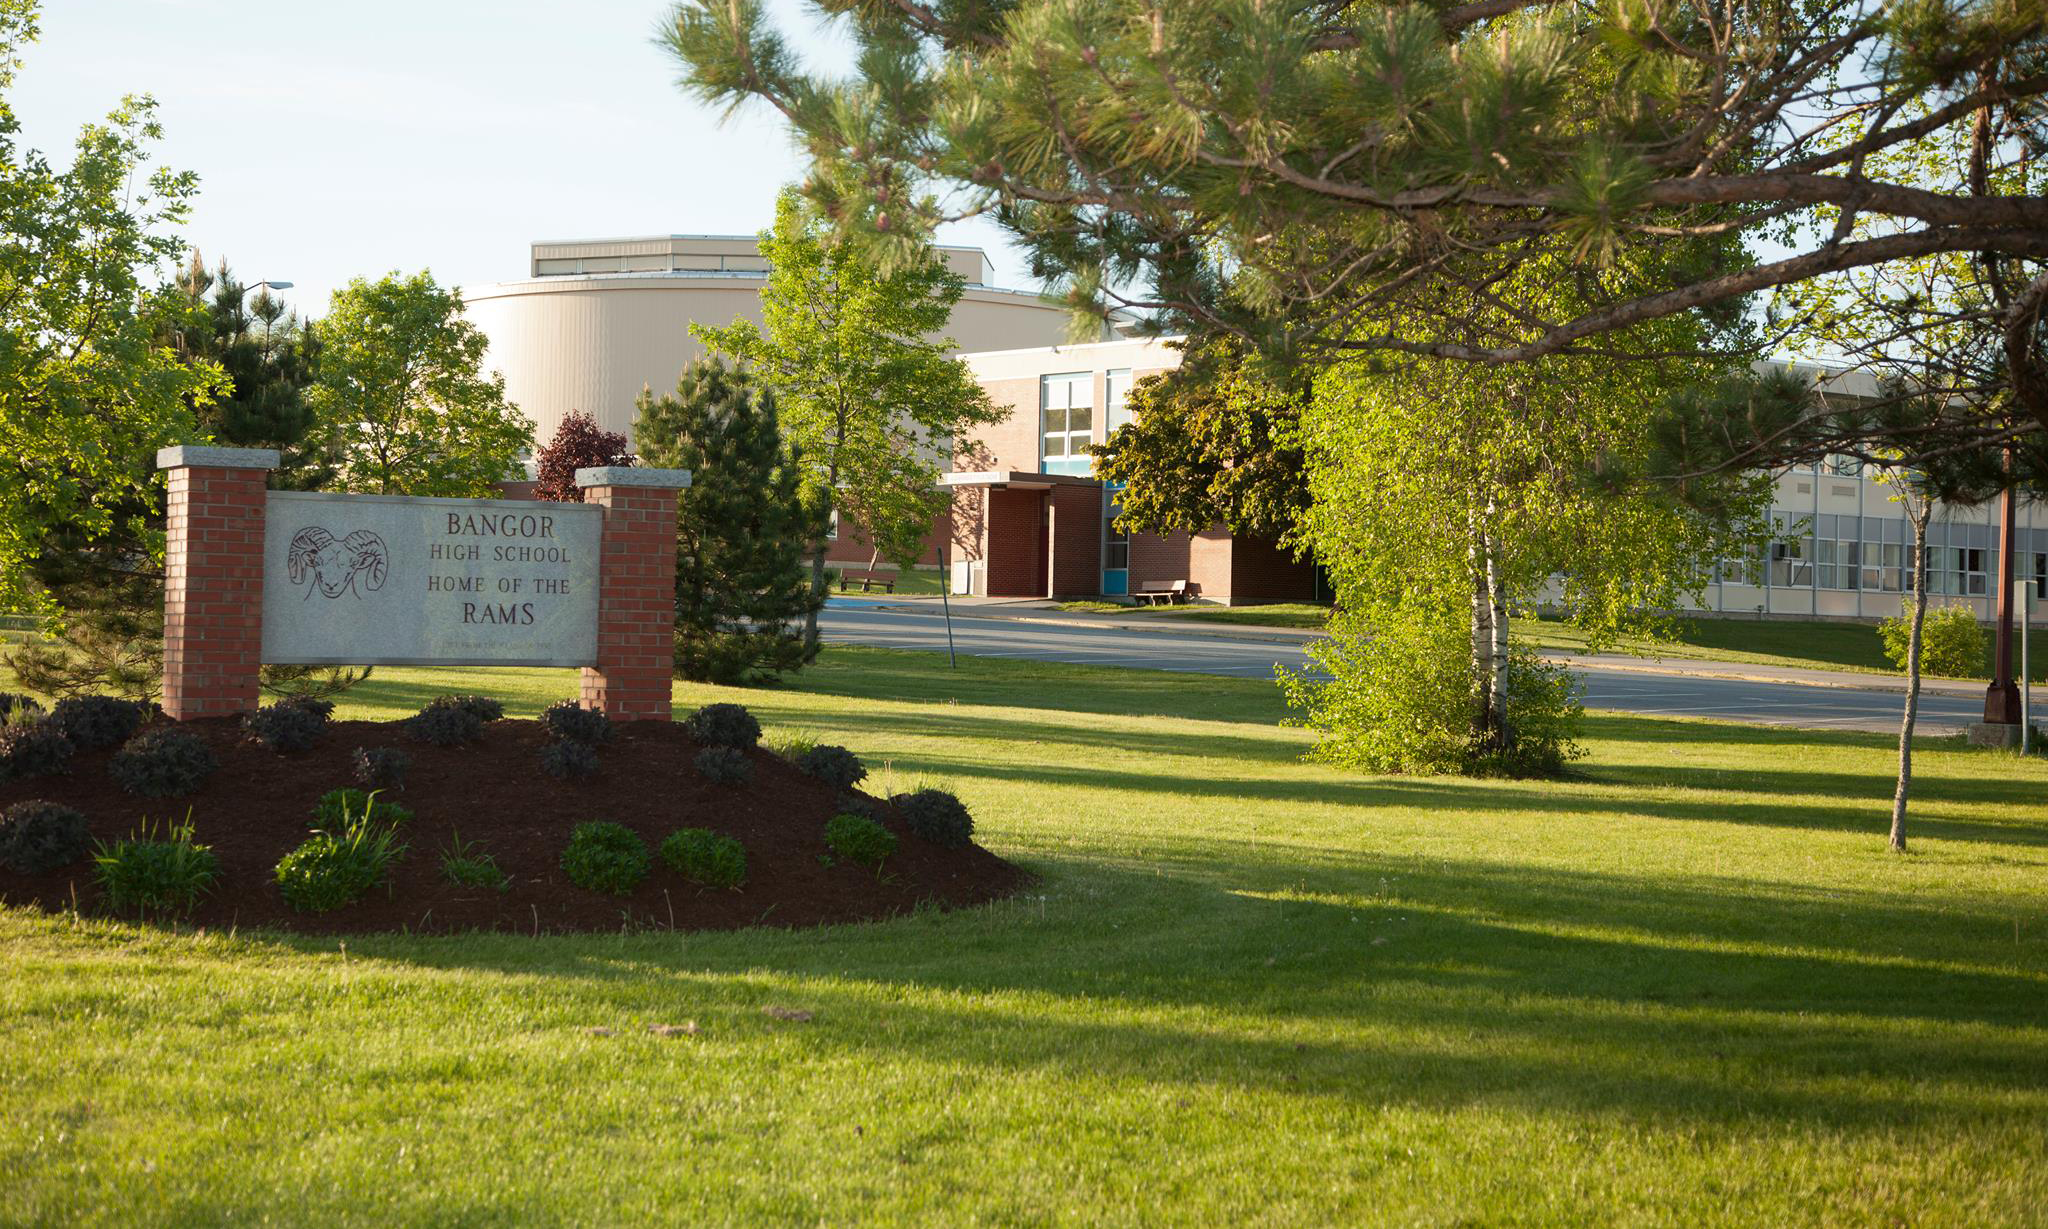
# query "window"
(1739, 572)
(1834, 563)
(1847, 467)
(1789, 564)
(2040, 574)
(1066, 417)
(1116, 399)
(1884, 566)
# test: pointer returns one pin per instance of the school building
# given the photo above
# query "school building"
(596, 321)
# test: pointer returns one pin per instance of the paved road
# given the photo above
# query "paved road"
(1666, 695)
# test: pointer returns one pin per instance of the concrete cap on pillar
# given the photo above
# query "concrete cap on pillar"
(633, 475)
(189, 456)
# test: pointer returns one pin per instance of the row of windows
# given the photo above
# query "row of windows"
(1875, 567)
(1066, 417)
(658, 263)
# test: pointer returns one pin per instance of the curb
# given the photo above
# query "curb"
(1734, 672)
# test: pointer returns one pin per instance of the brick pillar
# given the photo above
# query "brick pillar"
(213, 579)
(636, 601)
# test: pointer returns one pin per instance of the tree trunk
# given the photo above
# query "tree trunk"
(1490, 729)
(1899, 796)
(817, 586)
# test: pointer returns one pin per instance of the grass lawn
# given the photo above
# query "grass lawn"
(918, 582)
(1689, 987)
(1279, 614)
(1812, 645)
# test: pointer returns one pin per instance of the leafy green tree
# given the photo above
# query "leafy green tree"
(1446, 496)
(87, 392)
(1213, 441)
(867, 394)
(742, 527)
(402, 399)
(107, 590)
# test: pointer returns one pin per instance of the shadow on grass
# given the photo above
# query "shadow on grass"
(1433, 984)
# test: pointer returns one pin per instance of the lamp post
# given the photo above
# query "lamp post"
(2002, 698)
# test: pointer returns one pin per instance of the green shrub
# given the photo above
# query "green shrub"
(859, 839)
(1393, 693)
(568, 721)
(286, 727)
(483, 708)
(568, 759)
(338, 808)
(319, 706)
(33, 749)
(606, 857)
(165, 762)
(156, 875)
(94, 723)
(380, 768)
(466, 865)
(38, 836)
(725, 765)
(331, 870)
(724, 725)
(703, 856)
(937, 816)
(445, 722)
(1951, 642)
(835, 766)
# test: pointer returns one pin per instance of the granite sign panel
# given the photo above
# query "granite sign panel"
(396, 580)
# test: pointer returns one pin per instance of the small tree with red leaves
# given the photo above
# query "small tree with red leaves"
(579, 443)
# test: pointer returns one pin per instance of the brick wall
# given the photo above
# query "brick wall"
(1262, 572)
(1015, 543)
(636, 607)
(213, 591)
(1076, 540)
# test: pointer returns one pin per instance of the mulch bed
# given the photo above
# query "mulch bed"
(258, 806)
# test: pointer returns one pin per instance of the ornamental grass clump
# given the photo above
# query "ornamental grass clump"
(166, 762)
(834, 766)
(16, 708)
(606, 857)
(33, 749)
(706, 857)
(339, 807)
(725, 765)
(568, 759)
(859, 839)
(380, 768)
(468, 865)
(724, 725)
(568, 721)
(156, 875)
(94, 723)
(936, 816)
(286, 726)
(445, 722)
(38, 836)
(334, 869)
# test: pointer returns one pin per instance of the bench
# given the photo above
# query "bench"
(868, 581)
(1161, 593)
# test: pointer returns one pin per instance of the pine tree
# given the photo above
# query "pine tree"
(742, 527)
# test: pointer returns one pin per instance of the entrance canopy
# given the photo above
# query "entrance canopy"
(1026, 534)
(1014, 479)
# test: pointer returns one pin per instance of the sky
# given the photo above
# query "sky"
(342, 140)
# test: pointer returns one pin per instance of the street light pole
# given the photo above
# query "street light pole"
(2002, 698)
